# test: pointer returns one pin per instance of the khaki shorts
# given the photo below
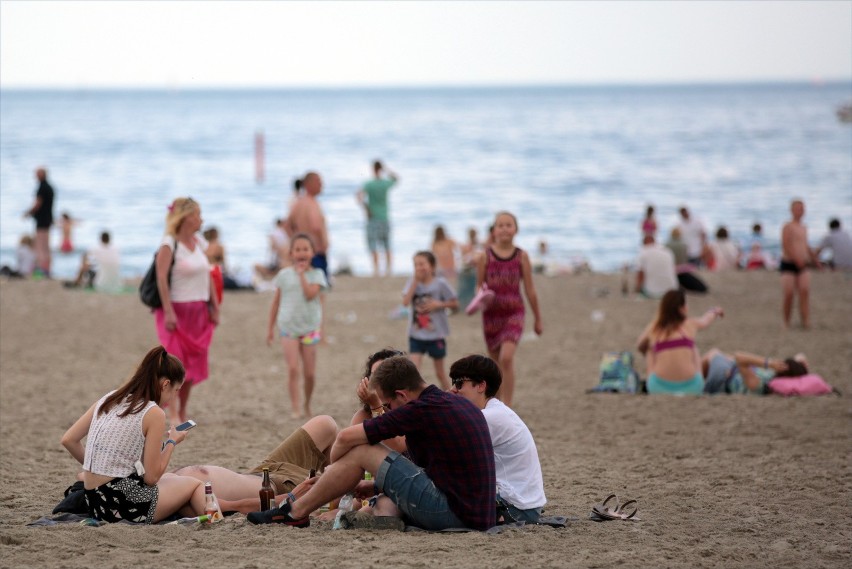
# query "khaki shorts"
(291, 462)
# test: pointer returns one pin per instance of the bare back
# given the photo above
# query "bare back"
(675, 364)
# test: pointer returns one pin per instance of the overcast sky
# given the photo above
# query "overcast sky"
(289, 44)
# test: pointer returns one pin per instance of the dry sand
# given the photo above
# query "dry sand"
(727, 481)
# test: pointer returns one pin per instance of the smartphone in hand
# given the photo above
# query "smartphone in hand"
(186, 426)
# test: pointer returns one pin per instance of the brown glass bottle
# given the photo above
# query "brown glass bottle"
(267, 492)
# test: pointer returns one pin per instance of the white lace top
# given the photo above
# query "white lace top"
(114, 443)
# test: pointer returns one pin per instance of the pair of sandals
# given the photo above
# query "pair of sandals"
(616, 511)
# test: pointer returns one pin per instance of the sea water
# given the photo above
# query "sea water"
(577, 165)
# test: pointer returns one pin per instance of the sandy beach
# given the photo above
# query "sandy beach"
(726, 481)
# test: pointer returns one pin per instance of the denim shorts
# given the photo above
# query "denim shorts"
(437, 349)
(420, 501)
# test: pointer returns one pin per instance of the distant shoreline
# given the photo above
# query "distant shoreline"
(503, 87)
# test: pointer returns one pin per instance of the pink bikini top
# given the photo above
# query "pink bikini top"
(682, 342)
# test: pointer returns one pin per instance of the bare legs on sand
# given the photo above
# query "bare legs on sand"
(791, 284)
(505, 358)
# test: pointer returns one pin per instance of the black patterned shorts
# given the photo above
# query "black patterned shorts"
(128, 499)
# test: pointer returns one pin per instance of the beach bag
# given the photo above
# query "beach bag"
(148, 291)
(810, 384)
(617, 374)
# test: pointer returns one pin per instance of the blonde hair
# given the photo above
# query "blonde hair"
(180, 209)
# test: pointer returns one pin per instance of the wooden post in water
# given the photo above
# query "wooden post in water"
(259, 152)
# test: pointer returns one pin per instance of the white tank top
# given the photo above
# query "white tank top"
(114, 443)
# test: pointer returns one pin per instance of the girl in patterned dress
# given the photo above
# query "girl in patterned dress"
(124, 459)
(502, 268)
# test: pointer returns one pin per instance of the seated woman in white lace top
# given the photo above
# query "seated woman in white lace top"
(124, 459)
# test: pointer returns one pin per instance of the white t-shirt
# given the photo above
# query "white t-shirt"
(841, 246)
(107, 274)
(191, 271)
(725, 254)
(691, 231)
(26, 260)
(516, 464)
(658, 266)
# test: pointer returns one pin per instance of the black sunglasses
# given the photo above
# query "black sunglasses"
(457, 383)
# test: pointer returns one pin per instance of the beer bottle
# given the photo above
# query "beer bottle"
(267, 492)
(211, 505)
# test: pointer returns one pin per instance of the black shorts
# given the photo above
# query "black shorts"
(788, 267)
(127, 499)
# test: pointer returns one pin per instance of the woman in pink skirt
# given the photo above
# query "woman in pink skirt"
(189, 313)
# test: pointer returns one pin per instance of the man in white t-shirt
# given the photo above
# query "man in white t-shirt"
(693, 235)
(840, 244)
(99, 268)
(656, 274)
(520, 487)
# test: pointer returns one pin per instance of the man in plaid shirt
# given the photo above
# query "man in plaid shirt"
(449, 481)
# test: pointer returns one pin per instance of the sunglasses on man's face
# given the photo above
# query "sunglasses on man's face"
(457, 383)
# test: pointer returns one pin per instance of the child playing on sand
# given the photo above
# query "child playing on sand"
(503, 268)
(66, 225)
(297, 312)
(430, 296)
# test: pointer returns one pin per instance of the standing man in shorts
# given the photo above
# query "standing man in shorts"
(373, 196)
(42, 213)
(448, 483)
(795, 256)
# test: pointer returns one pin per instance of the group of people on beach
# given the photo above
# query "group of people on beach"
(450, 456)
(663, 268)
(452, 452)
(438, 459)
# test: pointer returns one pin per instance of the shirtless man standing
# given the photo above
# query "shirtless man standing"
(795, 255)
(307, 217)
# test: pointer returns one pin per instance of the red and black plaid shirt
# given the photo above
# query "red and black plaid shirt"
(448, 437)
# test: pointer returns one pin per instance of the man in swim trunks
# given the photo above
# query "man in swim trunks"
(795, 256)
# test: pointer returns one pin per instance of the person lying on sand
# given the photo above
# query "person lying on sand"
(747, 373)
(291, 462)
(306, 449)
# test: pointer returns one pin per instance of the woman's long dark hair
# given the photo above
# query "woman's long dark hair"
(669, 316)
(144, 385)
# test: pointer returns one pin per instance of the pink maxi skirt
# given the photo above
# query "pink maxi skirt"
(190, 340)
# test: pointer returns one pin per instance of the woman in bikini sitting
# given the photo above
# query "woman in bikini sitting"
(668, 343)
